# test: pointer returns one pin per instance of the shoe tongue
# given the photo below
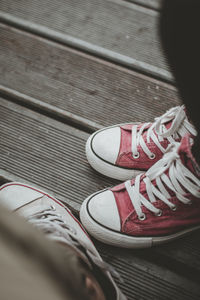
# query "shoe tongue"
(34, 207)
(186, 156)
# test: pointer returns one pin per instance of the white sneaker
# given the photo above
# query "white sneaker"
(56, 221)
(123, 151)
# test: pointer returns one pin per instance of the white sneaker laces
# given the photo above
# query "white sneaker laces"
(178, 176)
(179, 127)
(49, 222)
(52, 224)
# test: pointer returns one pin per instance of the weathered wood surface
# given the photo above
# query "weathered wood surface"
(41, 68)
(51, 154)
(125, 29)
(156, 279)
(79, 84)
(38, 151)
(154, 4)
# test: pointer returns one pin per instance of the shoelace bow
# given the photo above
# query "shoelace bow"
(178, 176)
(50, 222)
(179, 127)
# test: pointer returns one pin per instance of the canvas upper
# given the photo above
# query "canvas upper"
(116, 150)
(162, 202)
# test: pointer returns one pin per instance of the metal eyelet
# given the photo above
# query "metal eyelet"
(137, 155)
(142, 217)
(174, 208)
(152, 156)
(159, 213)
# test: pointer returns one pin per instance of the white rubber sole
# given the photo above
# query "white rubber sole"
(118, 239)
(106, 168)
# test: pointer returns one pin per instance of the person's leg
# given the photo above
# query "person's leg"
(58, 254)
(180, 34)
(31, 267)
(26, 273)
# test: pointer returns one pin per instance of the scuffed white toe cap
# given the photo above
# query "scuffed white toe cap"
(106, 144)
(103, 209)
(15, 195)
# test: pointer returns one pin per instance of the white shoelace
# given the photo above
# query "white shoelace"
(179, 127)
(178, 175)
(51, 223)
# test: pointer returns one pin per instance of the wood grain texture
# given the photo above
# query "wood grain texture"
(121, 27)
(90, 88)
(33, 147)
(95, 93)
(51, 154)
(145, 278)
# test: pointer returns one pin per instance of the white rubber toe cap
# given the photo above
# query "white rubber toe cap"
(106, 144)
(15, 195)
(103, 209)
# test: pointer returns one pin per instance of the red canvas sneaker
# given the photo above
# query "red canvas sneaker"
(58, 224)
(156, 207)
(126, 150)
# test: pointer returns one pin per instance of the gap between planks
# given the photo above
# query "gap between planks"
(49, 110)
(87, 47)
(148, 256)
(93, 184)
(78, 88)
(6, 176)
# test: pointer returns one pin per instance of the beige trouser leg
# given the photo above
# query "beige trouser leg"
(32, 267)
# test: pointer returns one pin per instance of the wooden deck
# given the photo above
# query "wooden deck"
(71, 67)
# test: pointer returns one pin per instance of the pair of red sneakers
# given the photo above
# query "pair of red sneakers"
(160, 199)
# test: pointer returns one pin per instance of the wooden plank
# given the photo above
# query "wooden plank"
(47, 153)
(146, 279)
(153, 4)
(51, 154)
(6, 176)
(94, 26)
(185, 249)
(72, 84)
